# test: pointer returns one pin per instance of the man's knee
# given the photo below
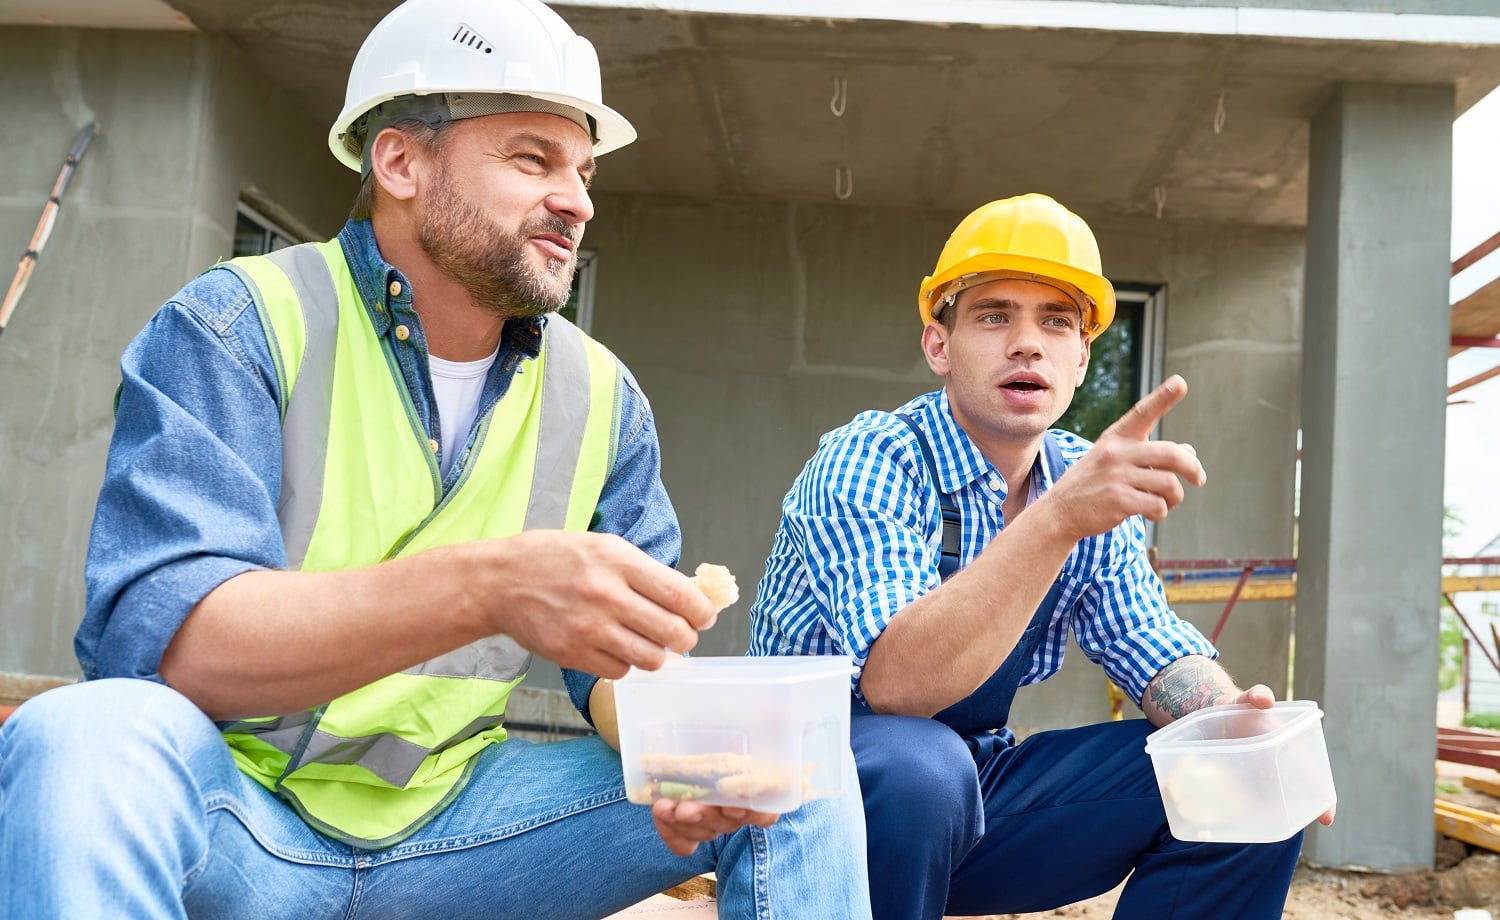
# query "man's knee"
(914, 768)
(101, 719)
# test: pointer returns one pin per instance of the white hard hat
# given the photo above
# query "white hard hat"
(441, 60)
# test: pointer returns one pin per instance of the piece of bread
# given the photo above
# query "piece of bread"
(717, 584)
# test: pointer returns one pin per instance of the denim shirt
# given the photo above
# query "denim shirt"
(194, 468)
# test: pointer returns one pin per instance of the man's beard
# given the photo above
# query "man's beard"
(490, 263)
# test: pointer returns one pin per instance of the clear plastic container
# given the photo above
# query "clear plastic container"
(766, 733)
(1237, 774)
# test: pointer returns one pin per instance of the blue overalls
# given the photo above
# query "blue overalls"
(964, 821)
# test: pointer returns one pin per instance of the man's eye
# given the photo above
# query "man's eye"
(992, 319)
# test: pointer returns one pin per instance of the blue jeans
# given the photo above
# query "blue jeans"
(119, 798)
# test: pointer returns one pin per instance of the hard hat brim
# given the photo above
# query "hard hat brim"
(1096, 287)
(611, 129)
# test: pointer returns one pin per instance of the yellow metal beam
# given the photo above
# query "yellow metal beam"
(1201, 593)
(1454, 583)
(1286, 589)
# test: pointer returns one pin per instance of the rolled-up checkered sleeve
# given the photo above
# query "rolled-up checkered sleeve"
(1122, 621)
(857, 516)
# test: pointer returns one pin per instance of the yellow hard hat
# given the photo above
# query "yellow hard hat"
(1029, 236)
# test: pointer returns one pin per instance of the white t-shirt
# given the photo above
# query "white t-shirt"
(457, 386)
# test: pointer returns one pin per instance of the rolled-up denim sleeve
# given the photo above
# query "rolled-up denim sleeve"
(189, 493)
(633, 505)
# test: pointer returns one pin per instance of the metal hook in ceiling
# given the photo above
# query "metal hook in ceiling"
(1219, 116)
(843, 182)
(840, 98)
(1160, 194)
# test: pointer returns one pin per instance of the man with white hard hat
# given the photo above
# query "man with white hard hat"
(353, 486)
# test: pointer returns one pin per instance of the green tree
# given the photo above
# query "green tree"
(1450, 651)
(1109, 389)
(1450, 633)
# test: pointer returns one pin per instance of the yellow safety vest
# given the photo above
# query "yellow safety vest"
(360, 484)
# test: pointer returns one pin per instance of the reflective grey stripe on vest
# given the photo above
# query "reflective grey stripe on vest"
(389, 757)
(565, 410)
(491, 658)
(305, 430)
(283, 733)
(393, 759)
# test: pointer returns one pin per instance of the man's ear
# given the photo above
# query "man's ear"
(1083, 363)
(394, 164)
(935, 347)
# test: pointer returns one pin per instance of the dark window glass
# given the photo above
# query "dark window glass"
(249, 237)
(1116, 375)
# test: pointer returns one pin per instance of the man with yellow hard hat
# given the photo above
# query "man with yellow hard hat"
(942, 546)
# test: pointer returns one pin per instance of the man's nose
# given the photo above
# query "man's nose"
(1026, 341)
(570, 200)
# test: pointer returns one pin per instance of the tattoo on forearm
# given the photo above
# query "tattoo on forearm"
(1186, 685)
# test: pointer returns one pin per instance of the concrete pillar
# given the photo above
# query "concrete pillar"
(1374, 352)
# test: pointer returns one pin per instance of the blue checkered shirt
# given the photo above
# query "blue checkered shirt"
(860, 538)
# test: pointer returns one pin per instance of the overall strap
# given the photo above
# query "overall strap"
(1052, 456)
(953, 521)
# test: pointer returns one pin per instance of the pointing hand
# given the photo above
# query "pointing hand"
(1125, 474)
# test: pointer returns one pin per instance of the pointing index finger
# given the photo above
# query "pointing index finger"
(1140, 418)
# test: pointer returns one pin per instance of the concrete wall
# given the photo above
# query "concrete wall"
(755, 327)
(182, 128)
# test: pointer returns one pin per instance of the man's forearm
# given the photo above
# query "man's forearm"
(944, 645)
(274, 642)
(267, 643)
(1186, 685)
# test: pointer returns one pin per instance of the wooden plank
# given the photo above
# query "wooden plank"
(1483, 784)
(1476, 315)
(1478, 815)
(1471, 825)
(698, 888)
(18, 688)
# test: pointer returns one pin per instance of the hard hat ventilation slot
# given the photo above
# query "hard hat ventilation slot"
(467, 37)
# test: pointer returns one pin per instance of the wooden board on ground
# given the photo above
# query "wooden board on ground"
(1471, 825)
(1483, 784)
(698, 888)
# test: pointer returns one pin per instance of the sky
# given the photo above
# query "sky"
(1471, 485)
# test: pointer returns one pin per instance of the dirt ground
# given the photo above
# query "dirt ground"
(1325, 894)
(1462, 876)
